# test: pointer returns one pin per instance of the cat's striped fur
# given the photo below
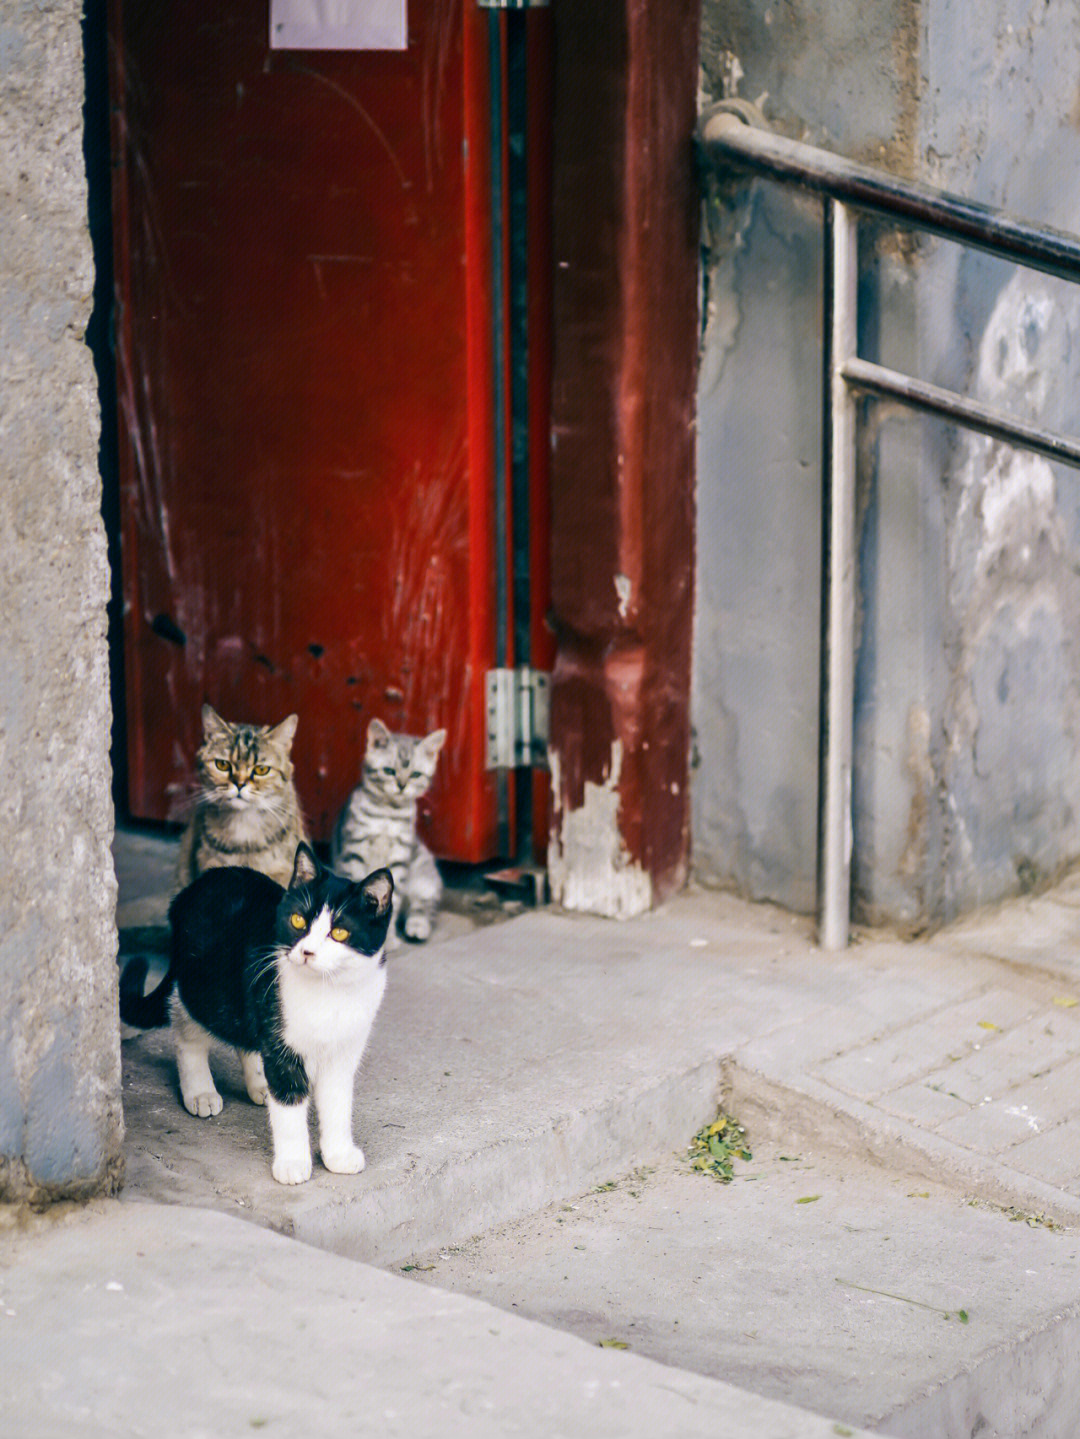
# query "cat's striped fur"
(247, 811)
(377, 827)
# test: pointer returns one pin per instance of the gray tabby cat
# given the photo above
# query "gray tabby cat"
(247, 811)
(377, 827)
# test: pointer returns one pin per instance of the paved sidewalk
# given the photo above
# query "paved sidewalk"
(972, 1068)
(524, 1063)
(137, 1320)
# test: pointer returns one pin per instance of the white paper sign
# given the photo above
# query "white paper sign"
(338, 25)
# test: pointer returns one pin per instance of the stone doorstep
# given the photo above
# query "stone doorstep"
(431, 1205)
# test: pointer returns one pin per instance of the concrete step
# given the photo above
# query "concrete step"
(812, 1277)
(128, 1320)
(520, 1063)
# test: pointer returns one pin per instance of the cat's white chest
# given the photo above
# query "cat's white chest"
(321, 1018)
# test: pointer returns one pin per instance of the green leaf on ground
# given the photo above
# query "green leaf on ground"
(808, 1199)
(714, 1148)
(612, 1344)
(960, 1314)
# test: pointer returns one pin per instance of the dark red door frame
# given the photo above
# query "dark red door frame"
(622, 473)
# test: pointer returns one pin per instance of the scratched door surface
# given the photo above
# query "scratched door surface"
(304, 360)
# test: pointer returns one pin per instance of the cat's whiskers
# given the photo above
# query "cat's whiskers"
(272, 806)
(267, 960)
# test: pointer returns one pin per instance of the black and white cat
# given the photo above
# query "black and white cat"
(293, 977)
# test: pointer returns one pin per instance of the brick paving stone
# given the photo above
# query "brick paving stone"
(1053, 1157)
(1018, 1113)
(1003, 1060)
(922, 1105)
(888, 1063)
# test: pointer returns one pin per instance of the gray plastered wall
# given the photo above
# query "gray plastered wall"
(967, 770)
(60, 1117)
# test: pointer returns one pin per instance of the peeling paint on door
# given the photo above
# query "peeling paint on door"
(588, 864)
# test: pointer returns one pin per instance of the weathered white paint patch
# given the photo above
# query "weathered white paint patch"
(588, 866)
(1011, 489)
(623, 589)
(1012, 716)
(1009, 496)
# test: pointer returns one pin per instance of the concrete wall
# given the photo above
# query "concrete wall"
(967, 780)
(60, 1119)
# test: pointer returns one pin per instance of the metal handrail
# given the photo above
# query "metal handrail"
(728, 138)
(730, 142)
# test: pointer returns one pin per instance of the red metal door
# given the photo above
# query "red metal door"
(304, 349)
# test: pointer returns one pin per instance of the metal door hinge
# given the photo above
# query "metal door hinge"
(517, 718)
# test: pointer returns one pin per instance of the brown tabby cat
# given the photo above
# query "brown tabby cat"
(247, 811)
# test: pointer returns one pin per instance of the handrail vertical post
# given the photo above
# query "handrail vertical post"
(838, 579)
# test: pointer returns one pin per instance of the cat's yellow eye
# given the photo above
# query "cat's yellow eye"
(341, 935)
(261, 769)
(222, 764)
(297, 921)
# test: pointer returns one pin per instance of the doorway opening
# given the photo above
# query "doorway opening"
(322, 333)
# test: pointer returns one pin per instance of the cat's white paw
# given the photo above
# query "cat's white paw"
(254, 1077)
(344, 1161)
(291, 1169)
(204, 1104)
(418, 927)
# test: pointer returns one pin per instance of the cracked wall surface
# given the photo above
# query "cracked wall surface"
(60, 1117)
(967, 682)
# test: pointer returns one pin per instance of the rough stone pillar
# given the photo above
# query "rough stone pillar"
(60, 1116)
(623, 457)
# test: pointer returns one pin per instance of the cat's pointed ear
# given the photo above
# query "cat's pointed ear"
(305, 866)
(377, 733)
(433, 743)
(378, 891)
(213, 726)
(283, 733)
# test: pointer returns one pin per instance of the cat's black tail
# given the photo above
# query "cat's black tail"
(143, 1011)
